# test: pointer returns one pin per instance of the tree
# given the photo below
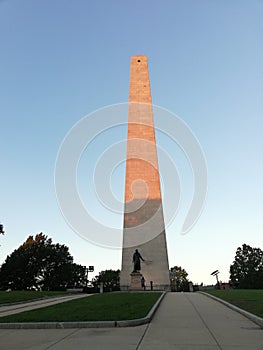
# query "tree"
(246, 270)
(178, 278)
(109, 278)
(78, 279)
(39, 264)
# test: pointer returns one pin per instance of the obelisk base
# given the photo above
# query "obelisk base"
(135, 281)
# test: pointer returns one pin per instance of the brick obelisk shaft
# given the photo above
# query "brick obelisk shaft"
(143, 213)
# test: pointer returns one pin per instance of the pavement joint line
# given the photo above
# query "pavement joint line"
(256, 319)
(142, 337)
(150, 314)
(86, 324)
(202, 319)
(63, 338)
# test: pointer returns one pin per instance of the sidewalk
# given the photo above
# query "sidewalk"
(36, 304)
(194, 321)
(183, 321)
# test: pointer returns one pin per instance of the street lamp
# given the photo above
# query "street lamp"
(2, 232)
(215, 273)
(173, 281)
(88, 269)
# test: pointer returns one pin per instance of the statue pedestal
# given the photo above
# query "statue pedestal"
(135, 281)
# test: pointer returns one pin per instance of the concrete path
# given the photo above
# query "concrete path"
(6, 310)
(194, 321)
(183, 321)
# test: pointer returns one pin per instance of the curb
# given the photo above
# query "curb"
(91, 324)
(144, 320)
(256, 319)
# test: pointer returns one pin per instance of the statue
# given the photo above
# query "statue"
(136, 259)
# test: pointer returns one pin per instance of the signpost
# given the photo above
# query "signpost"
(215, 273)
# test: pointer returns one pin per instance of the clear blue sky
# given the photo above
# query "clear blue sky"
(61, 60)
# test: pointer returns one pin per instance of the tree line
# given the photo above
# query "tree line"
(40, 264)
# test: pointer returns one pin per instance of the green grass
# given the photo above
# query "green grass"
(18, 296)
(250, 300)
(99, 307)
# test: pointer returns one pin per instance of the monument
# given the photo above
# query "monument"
(144, 229)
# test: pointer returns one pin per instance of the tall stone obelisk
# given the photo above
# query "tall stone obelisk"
(144, 228)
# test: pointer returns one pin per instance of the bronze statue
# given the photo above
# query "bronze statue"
(136, 259)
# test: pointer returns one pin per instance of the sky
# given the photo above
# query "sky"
(64, 60)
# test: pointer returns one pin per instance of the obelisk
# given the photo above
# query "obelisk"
(144, 227)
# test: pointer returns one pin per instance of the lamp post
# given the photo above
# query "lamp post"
(173, 281)
(88, 269)
(2, 232)
(215, 273)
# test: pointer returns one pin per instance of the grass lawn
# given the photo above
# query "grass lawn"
(100, 307)
(17, 296)
(250, 300)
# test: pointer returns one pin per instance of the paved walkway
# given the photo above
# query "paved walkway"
(183, 321)
(6, 310)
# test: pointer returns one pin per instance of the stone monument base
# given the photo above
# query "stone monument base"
(135, 281)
